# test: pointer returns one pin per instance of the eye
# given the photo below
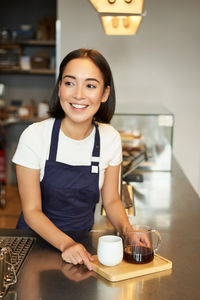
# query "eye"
(91, 86)
(69, 83)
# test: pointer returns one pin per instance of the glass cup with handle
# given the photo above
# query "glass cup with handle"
(140, 244)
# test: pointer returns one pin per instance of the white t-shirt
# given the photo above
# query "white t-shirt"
(34, 145)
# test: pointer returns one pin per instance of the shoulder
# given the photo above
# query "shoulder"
(33, 145)
(38, 129)
(109, 134)
(41, 125)
(111, 147)
(108, 130)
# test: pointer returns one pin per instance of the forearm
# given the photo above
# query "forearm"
(111, 200)
(47, 230)
(72, 252)
(117, 215)
(29, 180)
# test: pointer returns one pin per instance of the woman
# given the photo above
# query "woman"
(63, 163)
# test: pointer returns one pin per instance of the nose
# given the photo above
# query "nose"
(79, 92)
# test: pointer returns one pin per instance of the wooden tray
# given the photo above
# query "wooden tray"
(127, 270)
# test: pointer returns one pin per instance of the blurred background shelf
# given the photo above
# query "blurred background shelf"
(30, 42)
(31, 72)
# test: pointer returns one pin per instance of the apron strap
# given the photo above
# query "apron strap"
(96, 151)
(54, 140)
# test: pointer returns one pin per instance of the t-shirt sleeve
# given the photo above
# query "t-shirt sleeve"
(28, 149)
(116, 150)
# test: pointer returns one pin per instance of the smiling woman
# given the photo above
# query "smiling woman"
(106, 110)
(67, 160)
(81, 92)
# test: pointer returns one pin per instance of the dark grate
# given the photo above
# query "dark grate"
(20, 247)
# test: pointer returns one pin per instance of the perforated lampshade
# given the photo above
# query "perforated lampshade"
(121, 25)
(118, 6)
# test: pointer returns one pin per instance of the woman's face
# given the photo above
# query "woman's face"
(81, 90)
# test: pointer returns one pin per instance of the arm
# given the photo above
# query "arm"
(111, 200)
(115, 209)
(30, 194)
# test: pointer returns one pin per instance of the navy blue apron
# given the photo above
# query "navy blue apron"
(69, 193)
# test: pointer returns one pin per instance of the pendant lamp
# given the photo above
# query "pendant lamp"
(119, 17)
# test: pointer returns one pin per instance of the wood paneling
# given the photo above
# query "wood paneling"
(9, 215)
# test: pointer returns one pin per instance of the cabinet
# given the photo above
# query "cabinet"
(27, 28)
(147, 137)
(17, 57)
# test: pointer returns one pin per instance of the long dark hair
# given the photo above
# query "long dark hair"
(106, 110)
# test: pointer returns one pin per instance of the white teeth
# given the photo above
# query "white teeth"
(79, 106)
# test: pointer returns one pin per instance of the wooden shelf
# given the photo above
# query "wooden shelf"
(43, 71)
(21, 44)
(30, 42)
(32, 71)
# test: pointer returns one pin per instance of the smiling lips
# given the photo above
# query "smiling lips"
(79, 106)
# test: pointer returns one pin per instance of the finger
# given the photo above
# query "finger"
(87, 263)
(66, 259)
(90, 257)
(145, 241)
(77, 259)
(86, 256)
(78, 255)
(148, 243)
(70, 258)
(86, 260)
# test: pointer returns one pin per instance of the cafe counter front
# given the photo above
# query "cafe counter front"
(165, 201)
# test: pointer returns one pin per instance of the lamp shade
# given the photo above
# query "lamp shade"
(121, 25)
(118, 6)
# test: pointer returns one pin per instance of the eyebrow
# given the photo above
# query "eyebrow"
(87, 79)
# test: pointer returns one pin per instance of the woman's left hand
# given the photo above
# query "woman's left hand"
(139, 238)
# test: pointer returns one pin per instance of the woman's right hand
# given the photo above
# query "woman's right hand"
(77, 254)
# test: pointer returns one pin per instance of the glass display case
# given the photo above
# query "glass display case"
(147, 137)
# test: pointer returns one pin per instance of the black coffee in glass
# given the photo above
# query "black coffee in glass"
(138, 254)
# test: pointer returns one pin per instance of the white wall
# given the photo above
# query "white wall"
(159, 65)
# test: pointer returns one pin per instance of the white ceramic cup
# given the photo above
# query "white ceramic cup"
(110, 250)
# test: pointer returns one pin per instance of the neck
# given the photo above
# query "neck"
(76, 131)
